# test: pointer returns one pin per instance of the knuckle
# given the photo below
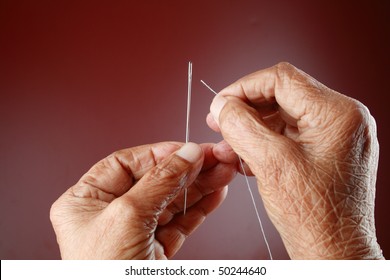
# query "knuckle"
(291, 78)
(168, 170)
(286, 73)
(60, 207)
(359, 114)
(125, 207)
(356, 131)
(122, 157)
(285, 70)
(53, 212)
(284, 66)
(174, 172)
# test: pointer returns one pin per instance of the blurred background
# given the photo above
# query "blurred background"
(81, 79)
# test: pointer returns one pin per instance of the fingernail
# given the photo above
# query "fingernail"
(216, 107)
(190, 152)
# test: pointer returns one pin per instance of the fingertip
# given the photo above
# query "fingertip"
(190, 152)
(209, 159)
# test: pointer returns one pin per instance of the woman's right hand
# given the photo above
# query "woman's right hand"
(314, 153)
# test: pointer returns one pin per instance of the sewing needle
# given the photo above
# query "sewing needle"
(188, 121)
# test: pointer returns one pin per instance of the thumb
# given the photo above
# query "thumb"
(163, 183)
(244, 130)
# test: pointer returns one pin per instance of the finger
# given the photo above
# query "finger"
(207, 182)
(173, 234)
(303, 101)
(245, 131)
(114, 175)
(274, 121)
(209, 160)
(223, 152)
(304, 104)
(214, 175)
(161, 185)
(212, 123)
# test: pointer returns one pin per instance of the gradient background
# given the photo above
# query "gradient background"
(81, 79)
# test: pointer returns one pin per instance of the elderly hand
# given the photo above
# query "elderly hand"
(314, 153)
(130, 204)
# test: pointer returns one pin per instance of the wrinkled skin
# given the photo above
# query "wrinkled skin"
(314, 153)
(130, 204)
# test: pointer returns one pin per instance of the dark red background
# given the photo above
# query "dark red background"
(81, 79)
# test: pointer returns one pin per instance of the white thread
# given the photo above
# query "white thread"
(188, 121)
(249, 189)
(213, 91)
(254, 205)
